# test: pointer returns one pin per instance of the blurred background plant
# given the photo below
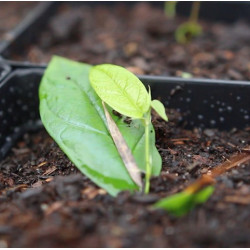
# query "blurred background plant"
(188, 30)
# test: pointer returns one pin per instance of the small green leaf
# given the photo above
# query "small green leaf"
(159, 108)
(186, 75)
(177, 204)
(73, 115)
(181, 203)
(203, 195)
(120, 89)
(186, 31)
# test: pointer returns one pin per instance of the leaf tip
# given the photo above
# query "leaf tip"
(159, 109)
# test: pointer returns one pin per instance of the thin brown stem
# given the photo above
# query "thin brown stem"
(195, 12)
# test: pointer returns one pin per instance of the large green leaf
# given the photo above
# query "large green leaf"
(73, 115)
(120, 89)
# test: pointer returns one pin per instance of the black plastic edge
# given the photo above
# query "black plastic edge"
(5, 69)
(27, 29)
(14, 65)
(193, 98)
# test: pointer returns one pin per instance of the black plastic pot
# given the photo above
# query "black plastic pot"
(26, 31)
(4, 70)
(226, 11)
(203, 103)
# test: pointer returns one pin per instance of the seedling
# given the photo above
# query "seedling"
(79, 117)
(126, 94)
(199, 191)
(181, 203)
(170, 9)
(76, 119)
(188, 30)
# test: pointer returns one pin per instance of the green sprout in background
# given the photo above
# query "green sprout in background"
(170, 9)
(188, 30)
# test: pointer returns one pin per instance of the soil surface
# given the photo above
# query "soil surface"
(11, 14)
(141, 38)
(46, 202)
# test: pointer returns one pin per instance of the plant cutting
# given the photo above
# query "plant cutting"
(104, 145)
(73, 115)
(125, 93)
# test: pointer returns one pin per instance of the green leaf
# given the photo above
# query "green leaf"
(181, 203)
(170, 9)
(186, 75)
(159, 108)
(186, 31)
(73, 115)
(203, 195)
(120, 89)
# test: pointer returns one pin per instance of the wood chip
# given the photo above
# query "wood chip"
(42, 164)
(180, 139)
(92, 192)
(209, 177)
(54, 207)
(21, 151)
(50, 170)
(172, 152)
(20, 187)
(234, 161)
(49, 179)
(179, 142)
(244, 200)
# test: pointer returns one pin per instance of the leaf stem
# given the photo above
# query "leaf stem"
(147, 120)
(194, 12)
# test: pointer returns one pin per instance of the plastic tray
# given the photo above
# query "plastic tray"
(26, 32)
(203, 103)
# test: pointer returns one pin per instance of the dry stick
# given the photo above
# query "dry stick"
(229, 164)
(123, 149)
(208, 179)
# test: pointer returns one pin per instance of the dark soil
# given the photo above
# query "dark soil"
(142, 39)
(11, 14)
(46, 202)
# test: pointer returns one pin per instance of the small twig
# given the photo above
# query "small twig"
(209, 178)
(123, 149)
(229, 164)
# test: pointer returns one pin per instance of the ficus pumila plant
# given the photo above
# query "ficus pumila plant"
(126, 94)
